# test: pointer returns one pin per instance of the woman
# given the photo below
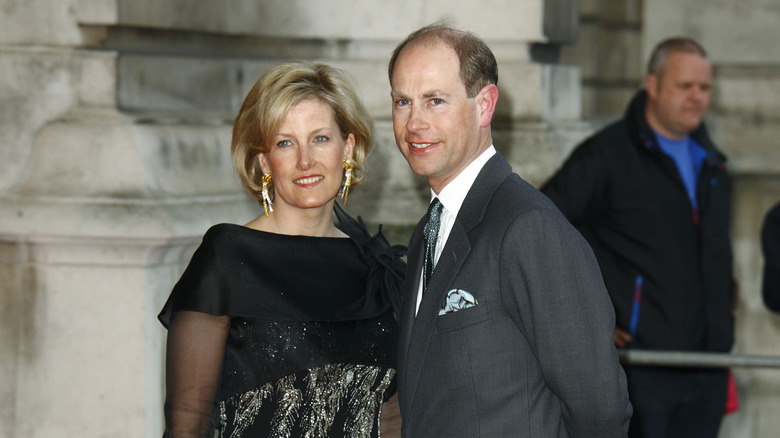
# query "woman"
(284, 326)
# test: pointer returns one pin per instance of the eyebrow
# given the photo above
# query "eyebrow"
(425, 95)
(311, 132)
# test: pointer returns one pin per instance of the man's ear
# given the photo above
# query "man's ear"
(487, 98)
(651, 85)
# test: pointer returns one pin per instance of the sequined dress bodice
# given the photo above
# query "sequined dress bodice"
(329, 378)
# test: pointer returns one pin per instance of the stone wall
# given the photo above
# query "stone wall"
(608, 51)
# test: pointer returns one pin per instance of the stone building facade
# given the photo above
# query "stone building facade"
(115, 120)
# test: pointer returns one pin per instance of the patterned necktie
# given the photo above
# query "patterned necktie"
(431, 231)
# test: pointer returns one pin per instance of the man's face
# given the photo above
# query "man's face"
(678, 100)
(437, 127)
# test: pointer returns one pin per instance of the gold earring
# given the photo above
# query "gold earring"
(267, 204)
(344, 192)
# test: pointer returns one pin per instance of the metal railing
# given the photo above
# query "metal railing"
(696, 359)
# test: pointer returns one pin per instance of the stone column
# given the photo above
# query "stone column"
(115, 131)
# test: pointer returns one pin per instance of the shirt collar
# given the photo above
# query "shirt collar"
(454, 193)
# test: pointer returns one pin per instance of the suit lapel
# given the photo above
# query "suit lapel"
(492, 175)
(417, 332)
(422, 326)
(415, 256)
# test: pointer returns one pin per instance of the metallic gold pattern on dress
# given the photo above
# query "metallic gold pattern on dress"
(289, 402)
(307, 404)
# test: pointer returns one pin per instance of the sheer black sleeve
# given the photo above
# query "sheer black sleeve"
(195, 352)
(198, 325)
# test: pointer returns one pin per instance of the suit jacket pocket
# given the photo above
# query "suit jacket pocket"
(463, 318)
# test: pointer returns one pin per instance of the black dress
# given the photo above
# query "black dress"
(310, 349)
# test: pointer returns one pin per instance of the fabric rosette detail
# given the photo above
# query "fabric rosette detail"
(386, 270)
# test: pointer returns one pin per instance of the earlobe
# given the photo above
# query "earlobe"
(487, 100)
(651, 84)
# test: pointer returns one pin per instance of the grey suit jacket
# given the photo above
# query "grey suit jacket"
(535, 357)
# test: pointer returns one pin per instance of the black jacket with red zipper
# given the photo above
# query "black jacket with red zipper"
(667, 265)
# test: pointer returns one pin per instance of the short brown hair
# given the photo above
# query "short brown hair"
(478, 66)
(274, 94)
(662, 51)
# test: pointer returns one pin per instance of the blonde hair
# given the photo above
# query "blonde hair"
(274, 94)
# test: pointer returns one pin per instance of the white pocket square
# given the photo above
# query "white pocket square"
(457, 299)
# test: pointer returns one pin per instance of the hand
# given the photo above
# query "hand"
(622, 337)
(390, 420)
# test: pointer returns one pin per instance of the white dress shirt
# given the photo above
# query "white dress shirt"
(451, 198)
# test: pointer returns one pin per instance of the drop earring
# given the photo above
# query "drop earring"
(268, 205)
(344, 192)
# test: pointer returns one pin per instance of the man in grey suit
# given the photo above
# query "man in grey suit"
(506, 328)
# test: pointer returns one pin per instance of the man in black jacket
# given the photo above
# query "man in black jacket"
(650, 193)
(770, 246)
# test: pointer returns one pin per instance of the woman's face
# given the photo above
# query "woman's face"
(306, 157)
